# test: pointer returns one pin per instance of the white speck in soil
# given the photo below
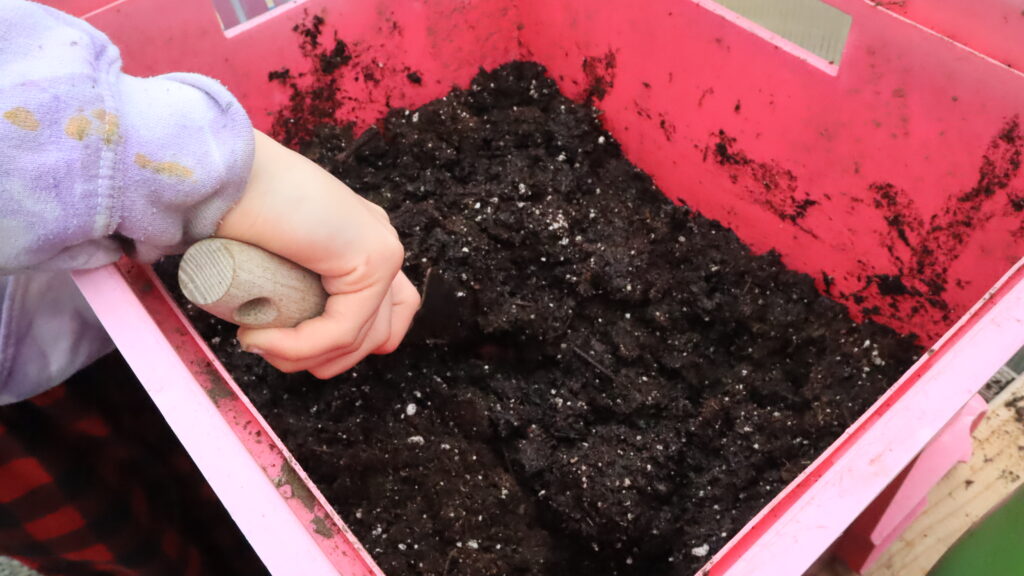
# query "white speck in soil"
(416, 440)
(701, 551)
(473, 545)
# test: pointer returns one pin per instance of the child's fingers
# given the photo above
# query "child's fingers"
(405, 301)
(356, 295)
(290, 365)
(378, 336)
(388, 329)
(378, 331)
(382, 216)
(343, 326)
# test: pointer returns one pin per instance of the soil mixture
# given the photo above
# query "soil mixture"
(623, 384)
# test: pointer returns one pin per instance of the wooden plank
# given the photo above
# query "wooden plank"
(962, 497)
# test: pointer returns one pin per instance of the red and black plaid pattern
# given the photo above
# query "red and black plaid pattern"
(93, 482)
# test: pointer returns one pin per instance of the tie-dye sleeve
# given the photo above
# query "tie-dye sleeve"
(93, 160)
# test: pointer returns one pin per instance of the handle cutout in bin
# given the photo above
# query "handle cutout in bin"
(232, 13)
(808, 29)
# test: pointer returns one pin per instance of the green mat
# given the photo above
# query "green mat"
(993, 547)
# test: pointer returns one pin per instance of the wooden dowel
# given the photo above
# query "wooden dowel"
(249, 286)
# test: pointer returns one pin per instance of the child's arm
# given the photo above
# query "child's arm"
(95, 163)
(92, 159)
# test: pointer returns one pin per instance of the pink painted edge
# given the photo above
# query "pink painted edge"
(952, 445)
(104, 9)
(277, 447)
(238, 481)
(214, 427)
(859, 465)
(756, 29)
(922, 28)
(875, 553)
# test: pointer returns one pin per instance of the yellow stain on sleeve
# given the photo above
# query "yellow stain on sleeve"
(165, 169)
(22, 118)
(111, 125)
(78, 127)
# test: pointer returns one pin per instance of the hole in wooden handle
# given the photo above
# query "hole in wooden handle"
(256, 312)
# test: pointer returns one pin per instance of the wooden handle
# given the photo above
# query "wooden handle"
(249, 286)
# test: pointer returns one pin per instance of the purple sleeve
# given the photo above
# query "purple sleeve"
(92, 159)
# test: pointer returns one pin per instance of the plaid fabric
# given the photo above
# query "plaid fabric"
(93, 482)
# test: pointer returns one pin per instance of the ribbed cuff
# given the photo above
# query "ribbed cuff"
(184, 154)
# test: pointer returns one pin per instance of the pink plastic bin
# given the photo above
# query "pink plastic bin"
(910, 127)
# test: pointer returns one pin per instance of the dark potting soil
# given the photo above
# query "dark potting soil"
(625, 384)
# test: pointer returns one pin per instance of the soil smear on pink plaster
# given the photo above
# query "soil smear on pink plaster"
(923, 249)
(625, 384)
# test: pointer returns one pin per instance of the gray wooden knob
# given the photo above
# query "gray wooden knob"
(249, 286)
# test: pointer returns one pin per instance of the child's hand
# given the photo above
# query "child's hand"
(295, 209)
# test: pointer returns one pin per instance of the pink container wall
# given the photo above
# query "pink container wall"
(446, 42)
(992, 27)
(791, 157)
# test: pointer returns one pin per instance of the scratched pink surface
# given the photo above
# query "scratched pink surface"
(992, 27)
(790, 154)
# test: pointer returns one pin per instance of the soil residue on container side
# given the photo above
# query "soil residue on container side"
(600, 74)
(628, 384)
(768, 183)
(923, 251)
(344, 80)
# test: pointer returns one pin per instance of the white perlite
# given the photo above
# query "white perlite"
(417, 440)
(410, 410)
(701, 551)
